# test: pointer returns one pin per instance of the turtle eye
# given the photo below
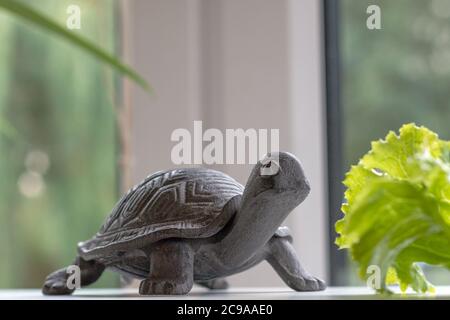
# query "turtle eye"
(270, 168)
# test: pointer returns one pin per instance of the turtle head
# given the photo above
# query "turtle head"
(277, 184)
(279, 175)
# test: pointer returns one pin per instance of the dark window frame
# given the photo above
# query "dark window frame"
(337, 259)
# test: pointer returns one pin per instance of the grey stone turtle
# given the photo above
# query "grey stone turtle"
(196, 225)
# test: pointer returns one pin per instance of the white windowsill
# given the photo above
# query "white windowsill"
(442, 292)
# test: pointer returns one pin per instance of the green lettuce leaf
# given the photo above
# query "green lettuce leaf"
(397, 209)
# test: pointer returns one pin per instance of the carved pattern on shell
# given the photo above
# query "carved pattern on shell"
(176, 199)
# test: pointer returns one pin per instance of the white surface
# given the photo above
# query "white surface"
(231, 294)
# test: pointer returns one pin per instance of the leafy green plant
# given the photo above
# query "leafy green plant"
(397, 210)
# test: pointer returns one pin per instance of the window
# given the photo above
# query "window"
(229, 63)
(58, 150)
(379, 80)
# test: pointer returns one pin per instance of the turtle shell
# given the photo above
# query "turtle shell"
(182, 203)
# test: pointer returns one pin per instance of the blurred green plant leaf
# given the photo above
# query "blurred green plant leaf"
(30, 15)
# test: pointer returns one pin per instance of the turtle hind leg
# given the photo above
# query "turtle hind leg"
(171, 269)
(57, 283)
(214, 284)
(283, 258)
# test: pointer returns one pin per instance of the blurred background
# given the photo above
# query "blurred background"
(74, 134)
(389, 77)
(58, 144)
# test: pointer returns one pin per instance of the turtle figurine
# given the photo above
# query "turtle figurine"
(195, 225)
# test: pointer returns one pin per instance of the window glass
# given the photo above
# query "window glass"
(57, 141)
(394, 75)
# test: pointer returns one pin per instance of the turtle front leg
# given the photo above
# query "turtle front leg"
(282, 257)
(171, 269)
(56, 283)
